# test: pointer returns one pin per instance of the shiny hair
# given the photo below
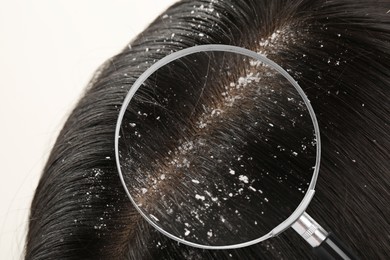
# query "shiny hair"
(338, 51)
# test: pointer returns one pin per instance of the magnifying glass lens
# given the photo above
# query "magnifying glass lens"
(216, 148)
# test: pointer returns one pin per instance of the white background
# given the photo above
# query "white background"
(49, 50)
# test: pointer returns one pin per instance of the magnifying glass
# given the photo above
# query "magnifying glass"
(218, 147)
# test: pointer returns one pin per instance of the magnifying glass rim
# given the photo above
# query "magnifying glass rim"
(238, 50)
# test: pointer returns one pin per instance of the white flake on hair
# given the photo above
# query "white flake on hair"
(243, 178)
(154, 217)
(199, 197)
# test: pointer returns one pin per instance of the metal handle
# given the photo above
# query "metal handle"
(325, 245)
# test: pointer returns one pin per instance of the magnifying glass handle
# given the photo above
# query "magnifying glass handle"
(333, 248)
(325, 245)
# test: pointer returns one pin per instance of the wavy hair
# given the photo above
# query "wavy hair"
(338, 51)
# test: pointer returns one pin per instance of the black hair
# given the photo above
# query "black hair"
(338, 51)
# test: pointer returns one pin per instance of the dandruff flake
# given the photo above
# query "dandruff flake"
(243, 178)
(199, 197)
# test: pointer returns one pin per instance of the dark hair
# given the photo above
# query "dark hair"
(338, 51)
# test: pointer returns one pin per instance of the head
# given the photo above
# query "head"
(337, 51)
